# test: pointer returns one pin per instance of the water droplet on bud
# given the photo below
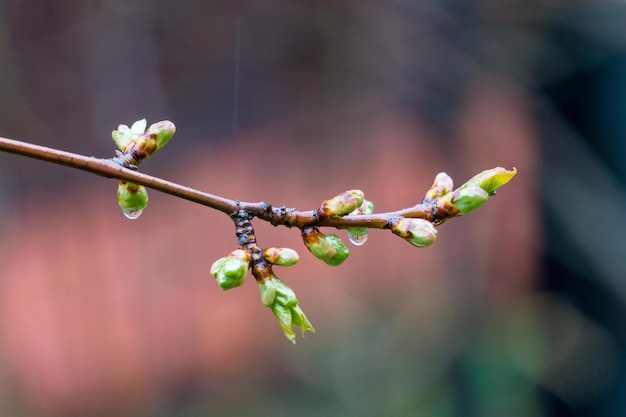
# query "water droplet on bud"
(357, 240)
(132, 214)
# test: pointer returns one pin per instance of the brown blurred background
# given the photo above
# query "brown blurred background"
(517, 310)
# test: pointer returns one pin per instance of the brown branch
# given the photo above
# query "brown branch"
(275, 215)
(109, 169)
(440, 203)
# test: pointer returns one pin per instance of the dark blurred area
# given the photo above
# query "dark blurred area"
(517, 310)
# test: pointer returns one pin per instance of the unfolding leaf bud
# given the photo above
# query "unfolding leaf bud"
(468, 199)
(281, 256)
(231, 270)
(418, 232)
(285, 307)
(443, 184)
(132, 198)
(366, 208)
(328, 248)
(140, 143)
(490, 179)
(342, 204)
(164, 130)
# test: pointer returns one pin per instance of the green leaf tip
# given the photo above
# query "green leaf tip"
(491, 179)
(282, 300)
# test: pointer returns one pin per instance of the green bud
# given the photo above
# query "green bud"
(328, 248)
(418, 232)
(268, 291)
(490, 179)
(164, 130)
(231, 271)
(281, 256)
(132, 199)
(286, 309)
(342, 204)
(366, 208)
(443, 184)
(468, 199)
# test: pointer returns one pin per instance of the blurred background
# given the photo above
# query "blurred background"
(517, 310)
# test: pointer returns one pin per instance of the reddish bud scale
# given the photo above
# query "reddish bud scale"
(490, 179)
(141, 147)
(445, 208)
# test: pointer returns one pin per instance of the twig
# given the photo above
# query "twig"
(275, 215)
(348, 210)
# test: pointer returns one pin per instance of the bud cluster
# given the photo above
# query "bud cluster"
(136, 145)
(140, 142)
(471, 195)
